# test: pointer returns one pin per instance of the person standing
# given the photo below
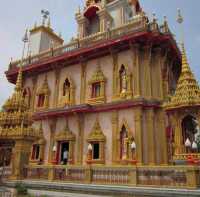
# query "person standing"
(65, 157)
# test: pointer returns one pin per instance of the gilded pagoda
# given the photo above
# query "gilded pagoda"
(117, 104)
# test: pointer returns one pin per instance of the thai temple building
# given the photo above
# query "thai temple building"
(118, 104)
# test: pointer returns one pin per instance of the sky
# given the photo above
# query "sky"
(17, 15)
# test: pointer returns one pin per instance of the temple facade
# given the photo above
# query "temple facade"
(118, 104)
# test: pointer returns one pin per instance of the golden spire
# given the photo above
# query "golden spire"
(18, 86)
(187, 92)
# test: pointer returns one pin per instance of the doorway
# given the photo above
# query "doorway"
(64, 146)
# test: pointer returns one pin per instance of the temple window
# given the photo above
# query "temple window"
(96, 151)
(93, 20)
(43, 95)
(37, 152)
(41, 99)
(96, 145)
(126, 145)
(63, 149)
(93, 25)
(124, 83)
(68, 93)
(191, 134)
(97, 87)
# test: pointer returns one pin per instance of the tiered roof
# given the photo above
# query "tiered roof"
(15, 118)
(187, 92)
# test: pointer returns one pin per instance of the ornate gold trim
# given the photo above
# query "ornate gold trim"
(44, 90)
(41, 142)
(97, 136)
(97, 77)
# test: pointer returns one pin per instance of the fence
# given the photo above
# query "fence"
(170, 176)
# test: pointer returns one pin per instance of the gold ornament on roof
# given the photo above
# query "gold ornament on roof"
(45, 88)
(96, 133)
(187, 92)
(15, 118)
(98, 76)
(65, 135)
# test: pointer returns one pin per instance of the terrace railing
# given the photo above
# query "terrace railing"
(138, 23)
(164, 176)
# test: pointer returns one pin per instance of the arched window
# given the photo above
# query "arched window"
(93, 25)
(43, 95)
(123, 79)
(97, 87)
(41, 99)
(96, 145)
(123, 143)
(191, 133)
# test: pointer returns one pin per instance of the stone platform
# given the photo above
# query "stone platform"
(99, 190)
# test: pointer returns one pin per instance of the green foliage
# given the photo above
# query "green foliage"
(21, 189)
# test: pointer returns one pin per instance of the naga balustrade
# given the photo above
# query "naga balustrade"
(154, 176)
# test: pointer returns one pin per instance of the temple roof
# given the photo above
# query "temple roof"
(15, 119)
(187, 93)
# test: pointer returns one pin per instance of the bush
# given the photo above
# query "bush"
(21, 189)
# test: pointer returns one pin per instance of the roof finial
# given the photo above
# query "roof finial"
(180, 21)
(45, 14)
